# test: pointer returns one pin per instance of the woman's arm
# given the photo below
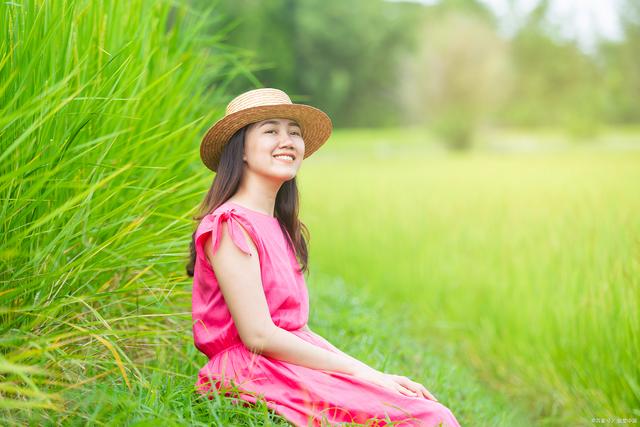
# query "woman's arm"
(282, 344)
(239, 278)
(401, 383)
(306, 328)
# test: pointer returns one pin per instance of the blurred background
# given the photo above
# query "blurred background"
(457, 66)
(474, 217)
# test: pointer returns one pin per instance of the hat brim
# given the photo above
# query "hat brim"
(315, 125)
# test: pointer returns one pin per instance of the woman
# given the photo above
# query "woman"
(250, 302)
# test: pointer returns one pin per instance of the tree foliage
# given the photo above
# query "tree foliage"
(377, 63)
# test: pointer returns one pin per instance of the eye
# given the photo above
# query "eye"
(295, 132)
(270, 130)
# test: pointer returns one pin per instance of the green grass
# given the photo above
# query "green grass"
(527, 264)
(102, 107)
(163, 391)
(507, 284)
(361, 323)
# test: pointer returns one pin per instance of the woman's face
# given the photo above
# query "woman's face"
(274, 148)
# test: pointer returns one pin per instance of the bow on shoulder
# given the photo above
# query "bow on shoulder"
(230, 217)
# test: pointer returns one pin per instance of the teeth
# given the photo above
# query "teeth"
(283, 157)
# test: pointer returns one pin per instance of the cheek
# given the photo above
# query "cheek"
(259, 152)
(262, 161)
(301, 146)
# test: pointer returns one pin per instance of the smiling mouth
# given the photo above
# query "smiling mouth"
(285, 158)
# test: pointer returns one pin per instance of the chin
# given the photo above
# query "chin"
(280, 176)
(287, 177)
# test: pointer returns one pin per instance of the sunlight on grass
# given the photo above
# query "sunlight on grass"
(528, 264)
(490, 268)
(102, 107)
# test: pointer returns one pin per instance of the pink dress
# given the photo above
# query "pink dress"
(304, 396)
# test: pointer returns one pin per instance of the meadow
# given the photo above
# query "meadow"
(101, 115)
(525, 263)
(506, 282)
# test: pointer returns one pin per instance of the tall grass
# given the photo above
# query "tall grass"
(527, 263)
(527, 266)
(101, 106)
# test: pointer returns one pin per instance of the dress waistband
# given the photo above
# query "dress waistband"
(238, 344)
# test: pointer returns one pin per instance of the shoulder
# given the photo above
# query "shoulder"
(239, 228)
(219, 215)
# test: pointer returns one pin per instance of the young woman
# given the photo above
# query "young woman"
(250, 302)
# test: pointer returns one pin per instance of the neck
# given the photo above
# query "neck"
(257, 193)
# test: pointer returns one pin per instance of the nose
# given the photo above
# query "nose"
(286, 140)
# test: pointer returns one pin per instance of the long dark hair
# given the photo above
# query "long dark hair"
(226, 183)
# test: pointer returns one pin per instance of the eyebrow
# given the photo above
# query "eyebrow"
(274, 122)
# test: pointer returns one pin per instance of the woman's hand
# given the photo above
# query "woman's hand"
(417, 388)
(401, 384)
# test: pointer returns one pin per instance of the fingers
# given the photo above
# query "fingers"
(426, 393)
(406, 391)
(405, 386)
(414, 387)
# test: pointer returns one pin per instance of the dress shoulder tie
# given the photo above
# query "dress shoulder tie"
(230, 217)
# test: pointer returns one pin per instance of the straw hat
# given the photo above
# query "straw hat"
(261, 104)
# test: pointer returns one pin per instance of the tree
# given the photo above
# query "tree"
(339, 56)
(621, 70)
(458, 76)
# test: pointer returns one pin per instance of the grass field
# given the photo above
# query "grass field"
(528, 265)
(162, 388)
(506, 282)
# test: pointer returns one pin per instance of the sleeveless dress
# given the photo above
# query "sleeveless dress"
(302, 395)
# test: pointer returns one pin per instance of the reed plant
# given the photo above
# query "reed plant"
(101, 106)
